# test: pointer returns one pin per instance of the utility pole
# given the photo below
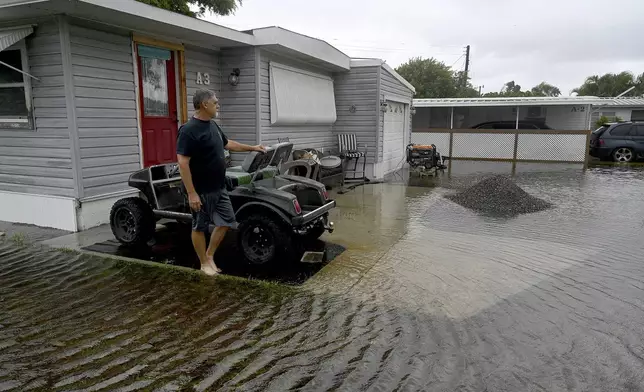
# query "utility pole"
(467, 64)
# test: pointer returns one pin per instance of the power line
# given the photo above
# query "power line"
(382, 49)
(457, 60)
(401, 43)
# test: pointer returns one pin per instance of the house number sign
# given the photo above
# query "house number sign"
(203, 78)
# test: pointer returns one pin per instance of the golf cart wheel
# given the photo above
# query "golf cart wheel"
(132, 221)
(262, 239)
(623, 154)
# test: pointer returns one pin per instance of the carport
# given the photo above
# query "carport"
(534, 129)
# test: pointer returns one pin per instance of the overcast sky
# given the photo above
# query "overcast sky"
(558, 41)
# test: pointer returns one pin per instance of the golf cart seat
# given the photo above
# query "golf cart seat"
(258, 166)
(255, 159)
(237, 178)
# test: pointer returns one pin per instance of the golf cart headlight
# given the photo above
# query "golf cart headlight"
(298, 209)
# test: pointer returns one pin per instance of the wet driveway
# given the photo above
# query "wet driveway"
(426, 295)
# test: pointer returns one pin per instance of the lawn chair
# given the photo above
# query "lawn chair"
(350, 149)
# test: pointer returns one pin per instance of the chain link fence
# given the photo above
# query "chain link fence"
(513, 145)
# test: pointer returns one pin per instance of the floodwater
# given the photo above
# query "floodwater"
(426, 296)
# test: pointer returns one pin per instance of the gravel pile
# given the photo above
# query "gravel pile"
(498, 195)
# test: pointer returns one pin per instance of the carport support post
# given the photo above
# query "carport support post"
(451, 141)
(451, 134)
(588, 132)
(516, 142)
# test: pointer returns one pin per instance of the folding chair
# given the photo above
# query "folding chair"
(351, 149)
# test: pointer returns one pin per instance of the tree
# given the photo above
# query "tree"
(431, 78)
(544, 89)
(611, 85)
(434, 79)
(221, 7)
(464, 86)
(511, 89)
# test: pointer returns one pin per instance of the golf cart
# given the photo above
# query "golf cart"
(275, 212)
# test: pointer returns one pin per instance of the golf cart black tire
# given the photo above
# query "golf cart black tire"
(144, 221)
(282, 239)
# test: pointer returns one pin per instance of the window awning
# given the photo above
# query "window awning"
(299, 97)
(11, 36)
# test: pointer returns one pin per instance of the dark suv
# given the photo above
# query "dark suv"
(620, 142)
(512, 124)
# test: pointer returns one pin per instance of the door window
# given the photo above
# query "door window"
(621, 130)
(154, 77)
(155, 87)
(638, 130)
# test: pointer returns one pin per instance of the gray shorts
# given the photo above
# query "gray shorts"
(216, 208)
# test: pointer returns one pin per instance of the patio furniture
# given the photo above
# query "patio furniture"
(326, 168)
(350, 150)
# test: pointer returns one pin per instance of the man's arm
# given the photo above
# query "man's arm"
(184, 169)
(240, 147)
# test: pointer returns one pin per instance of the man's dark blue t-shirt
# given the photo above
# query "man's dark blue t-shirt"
(203, 141)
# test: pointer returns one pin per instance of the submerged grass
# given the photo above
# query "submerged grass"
(69, 251)
(196, 280)
(151, 271)
(19, 239)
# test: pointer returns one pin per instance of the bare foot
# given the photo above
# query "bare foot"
(211, 263)
(208, 270)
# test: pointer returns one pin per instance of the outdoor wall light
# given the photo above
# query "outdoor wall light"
(383, 106)
(233, 78)
(413, 110)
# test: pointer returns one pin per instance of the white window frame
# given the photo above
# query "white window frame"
(20, 122)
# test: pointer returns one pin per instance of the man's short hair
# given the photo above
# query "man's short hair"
(200, 96)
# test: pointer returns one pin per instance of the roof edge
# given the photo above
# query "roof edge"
(399, 77)
(506, 101)
(373, 62)
(310, 46)
(173, 18)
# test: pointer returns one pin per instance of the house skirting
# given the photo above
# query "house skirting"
(378, 171)
(64, 213)
(95, 211)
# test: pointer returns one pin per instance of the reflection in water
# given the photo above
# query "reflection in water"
(427, 296)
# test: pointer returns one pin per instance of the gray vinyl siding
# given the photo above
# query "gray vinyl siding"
(200, 61)
(105, 106)
(238, 113)
(565, 117)
(389, 85)
(301, 135)
(39, 161)
(358, 87)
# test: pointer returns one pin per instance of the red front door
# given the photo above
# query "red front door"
(158, 104)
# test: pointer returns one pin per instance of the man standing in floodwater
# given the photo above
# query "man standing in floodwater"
(202, 165)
